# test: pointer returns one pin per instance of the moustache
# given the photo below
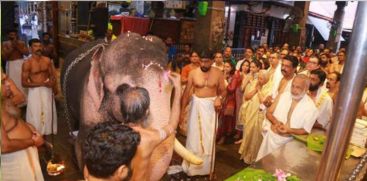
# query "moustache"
(298, 97)
(204, 69)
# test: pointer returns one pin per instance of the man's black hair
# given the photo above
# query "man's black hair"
(108, 146)
(320, 73)
(12, 31)
(206, 55)
(45, 33)
(34, 40)
(292, 59)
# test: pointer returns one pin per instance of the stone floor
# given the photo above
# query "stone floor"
(227, 159)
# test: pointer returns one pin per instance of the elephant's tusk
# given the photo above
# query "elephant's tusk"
(186, 154)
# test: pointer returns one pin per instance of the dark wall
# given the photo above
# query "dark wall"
(83, 14)
(99, 22)
(7, 18)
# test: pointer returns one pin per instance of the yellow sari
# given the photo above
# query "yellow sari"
(252, 118)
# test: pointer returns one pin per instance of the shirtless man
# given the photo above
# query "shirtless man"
(12, 51)
(19, 156)
(48, 48)
(16, 96)
(338, 67)
(135, 110)
(332, 84)
(121, 142)
(208, 90)
(37, 75)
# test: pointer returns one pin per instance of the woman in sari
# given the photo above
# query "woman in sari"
(240, 75)
(253, 115)
(227, 119)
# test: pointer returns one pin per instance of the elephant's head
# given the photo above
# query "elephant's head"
(137, 61)
(130, 59)
(134, 60)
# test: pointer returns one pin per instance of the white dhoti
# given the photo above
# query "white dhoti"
(303, 117)
(21, 165)
(200, 135)
(14, 71)
(41, 110)
(271, 141)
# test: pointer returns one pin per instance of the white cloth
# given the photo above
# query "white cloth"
(22, 165)
(200, 135)
(324, 104)
(14, 71)
(303, 116)
(41, 110)
(277, 75)
(277, 78)
(239, 63)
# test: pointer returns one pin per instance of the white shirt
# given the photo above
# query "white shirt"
(324, 104)
(239, 63)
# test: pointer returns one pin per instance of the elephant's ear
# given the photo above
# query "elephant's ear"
(95, 82)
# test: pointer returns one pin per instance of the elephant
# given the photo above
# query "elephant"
(93, 72)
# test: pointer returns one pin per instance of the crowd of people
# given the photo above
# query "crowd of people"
(257, 102)
(29, 81)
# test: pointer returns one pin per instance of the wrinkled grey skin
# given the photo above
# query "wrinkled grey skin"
(91, 86)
